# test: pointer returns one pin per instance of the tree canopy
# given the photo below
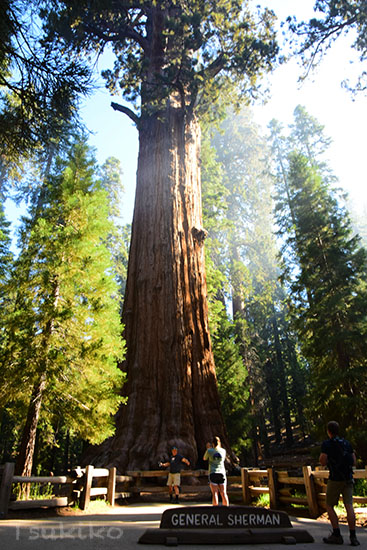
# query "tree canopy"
(170, 47)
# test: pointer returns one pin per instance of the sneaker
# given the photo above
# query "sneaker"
(354, 541)
(333, 539)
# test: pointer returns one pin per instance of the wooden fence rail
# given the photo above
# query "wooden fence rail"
(81, 485)
(310, 488)
(78, 487)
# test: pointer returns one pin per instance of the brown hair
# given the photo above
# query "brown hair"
(216, 441)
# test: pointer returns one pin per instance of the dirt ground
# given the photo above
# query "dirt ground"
(361, 517)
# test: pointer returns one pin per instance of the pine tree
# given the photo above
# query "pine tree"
(119, 239)
(244, 249)
(63, 335)
(325, 270)
(308, 137)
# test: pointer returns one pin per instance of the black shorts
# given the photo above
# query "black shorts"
(217, 479)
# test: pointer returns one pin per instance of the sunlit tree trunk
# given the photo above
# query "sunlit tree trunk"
(171, 388)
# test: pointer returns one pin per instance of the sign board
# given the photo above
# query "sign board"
(224, 525)
(219, 517)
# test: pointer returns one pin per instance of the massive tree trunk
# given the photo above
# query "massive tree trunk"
(171, 387)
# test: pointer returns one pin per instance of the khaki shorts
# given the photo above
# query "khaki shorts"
(174, 479)
(336, 488)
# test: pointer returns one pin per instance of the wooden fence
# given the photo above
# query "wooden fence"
(306, 490)
(80, 486)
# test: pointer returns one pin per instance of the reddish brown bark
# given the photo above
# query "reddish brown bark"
(171, 388)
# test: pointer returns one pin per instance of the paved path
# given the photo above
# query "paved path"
(120, 528)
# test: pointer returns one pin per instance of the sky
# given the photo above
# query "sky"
(344, 119)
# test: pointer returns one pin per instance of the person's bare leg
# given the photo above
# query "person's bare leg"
(351, 517)
(223, 494)
(332, 516)
(214, 490)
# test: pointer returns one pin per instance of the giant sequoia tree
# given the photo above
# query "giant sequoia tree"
(172, 60)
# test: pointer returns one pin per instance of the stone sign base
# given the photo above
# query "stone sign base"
(224, 525)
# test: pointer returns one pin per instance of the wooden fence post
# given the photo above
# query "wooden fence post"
(310, 491)
(273, 500)
(111, 486)
(246, 494)
(5, 488)
(85, 496)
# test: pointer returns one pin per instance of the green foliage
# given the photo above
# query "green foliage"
(232, 380)
(9, 433)
(119, 238)
(325, 270)
(242, 252)
(308, 137)
(360, 487)
(38, 491)
(198, 49)
(263, 500)
(6, 259)
(64, 316)
(39, 86)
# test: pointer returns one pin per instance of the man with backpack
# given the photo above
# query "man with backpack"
(337, 453)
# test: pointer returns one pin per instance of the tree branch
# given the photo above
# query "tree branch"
(134, 117)
(125, 32)
(322, 36)
(214, 68)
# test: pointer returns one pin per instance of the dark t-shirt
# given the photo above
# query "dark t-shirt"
(175, 464)
(340, 458)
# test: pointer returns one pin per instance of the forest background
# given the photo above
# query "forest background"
(270, 363)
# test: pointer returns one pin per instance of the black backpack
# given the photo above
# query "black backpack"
(341, 461)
